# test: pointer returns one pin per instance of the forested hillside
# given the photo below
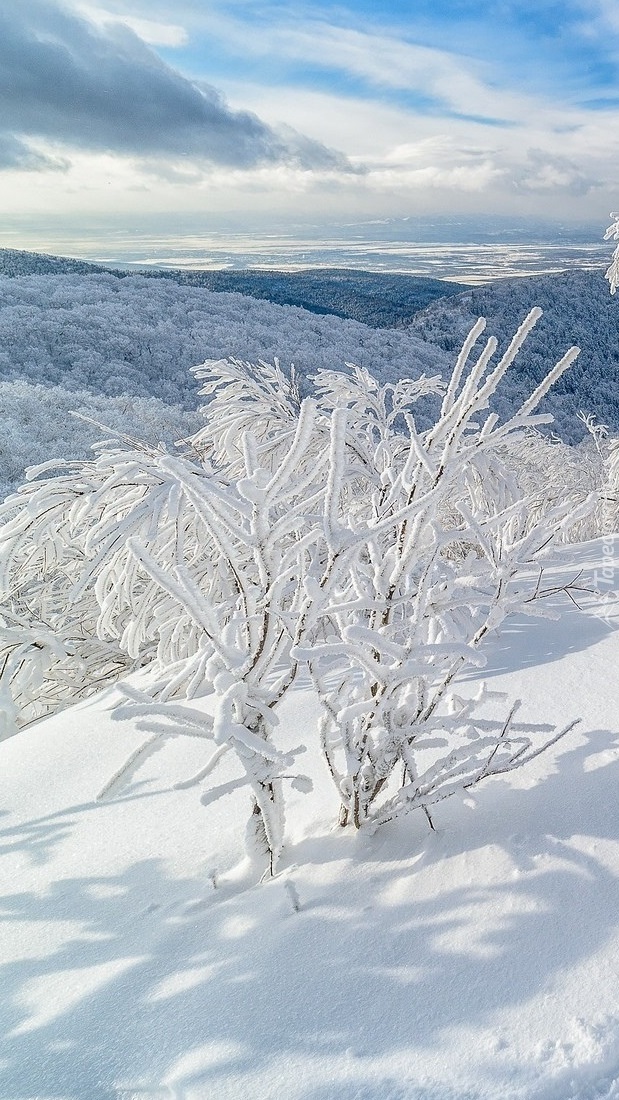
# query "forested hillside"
(14, 262)
(380, 301)
(67, 342)
(90, 340)
(577, 309)
(377, 300)
(140, 336)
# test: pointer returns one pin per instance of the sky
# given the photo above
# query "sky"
(238, 112)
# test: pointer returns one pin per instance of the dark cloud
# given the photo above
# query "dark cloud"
(103, 89)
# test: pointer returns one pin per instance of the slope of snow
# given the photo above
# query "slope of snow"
(478, 962)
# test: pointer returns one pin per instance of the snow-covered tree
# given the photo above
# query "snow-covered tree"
(333, 533)
(420, 565)
(612, 274)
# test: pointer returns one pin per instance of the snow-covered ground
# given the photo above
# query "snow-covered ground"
(140, 960)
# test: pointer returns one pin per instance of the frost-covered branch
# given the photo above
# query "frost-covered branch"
(612, 273)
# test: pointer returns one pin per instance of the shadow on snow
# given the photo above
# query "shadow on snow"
(172, 981)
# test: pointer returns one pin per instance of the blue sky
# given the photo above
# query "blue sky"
(290, 111)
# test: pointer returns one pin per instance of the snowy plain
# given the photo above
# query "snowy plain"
(142, 961)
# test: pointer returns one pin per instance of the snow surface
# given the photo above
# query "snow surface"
(140, 961)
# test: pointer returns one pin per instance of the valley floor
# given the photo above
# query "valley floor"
(478, 962)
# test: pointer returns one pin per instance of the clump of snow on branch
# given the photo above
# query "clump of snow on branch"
(331, 534)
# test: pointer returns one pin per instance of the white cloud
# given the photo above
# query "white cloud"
(543, 171)
(462, 84)
(152, 32)
(603, 16)
(379, 134)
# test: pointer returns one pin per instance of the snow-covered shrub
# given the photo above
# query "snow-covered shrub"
(610, 493)
(329, 532)
(552, 472)
(400, 612)
(51, 646)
